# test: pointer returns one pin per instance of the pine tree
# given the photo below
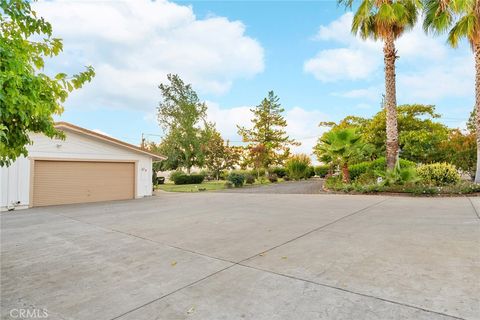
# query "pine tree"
(268, 132)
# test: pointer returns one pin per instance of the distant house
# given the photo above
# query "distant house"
(85, 167)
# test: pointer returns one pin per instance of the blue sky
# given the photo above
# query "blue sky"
(233, 52)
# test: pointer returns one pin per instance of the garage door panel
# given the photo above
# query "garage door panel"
(63, 182)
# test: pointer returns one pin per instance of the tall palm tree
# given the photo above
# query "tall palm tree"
(461, 19)
(386, 20)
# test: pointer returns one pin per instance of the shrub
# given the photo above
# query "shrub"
(257, 172)
(249, 179)
(279, 171)
(286, 178)
(228, 185)
(237, 179)
(272, 178)
(359, 169)
(298, 167)
(321, 171)
(378, 165)
(188, 179)
(175, 174)
(311, 172)
(209, 175)
(439, 174)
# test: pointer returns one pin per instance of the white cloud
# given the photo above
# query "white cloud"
(372, 93)
(355, 60)
(338, 64)
(438, 81)
(426, 69)
(134, 44)
(302, 124)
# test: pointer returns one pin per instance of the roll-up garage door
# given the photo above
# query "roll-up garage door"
(64, 182)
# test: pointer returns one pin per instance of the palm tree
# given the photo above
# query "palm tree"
(342, 146)
(386, 20)
(461, 19)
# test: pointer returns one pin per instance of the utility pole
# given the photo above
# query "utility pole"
(143, 142)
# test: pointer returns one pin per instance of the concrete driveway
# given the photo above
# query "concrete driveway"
(245, 256)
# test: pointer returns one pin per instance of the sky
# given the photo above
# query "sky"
(233, 53)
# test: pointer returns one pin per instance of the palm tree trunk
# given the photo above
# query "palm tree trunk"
(477, 107)
(345, 173)
(391, 101)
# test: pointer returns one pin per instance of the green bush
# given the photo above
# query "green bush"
(439, 174)
(379, 164)
(175, 174)
(321, 171)
(279, 171)
(311, 172)
(298, 167)
(249, 179)
(257, 172)
(359, 169)
(272, 178)
(228, 185)
(188, 179)
(237, 179)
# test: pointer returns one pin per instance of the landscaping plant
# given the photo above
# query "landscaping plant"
(343, 146)
(298, 167)
(237, 179)
(272, 178)
(187, 178)
(322, 171)
(249, 179)
(439, 174)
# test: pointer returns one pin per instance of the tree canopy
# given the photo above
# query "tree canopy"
(420, 136)
(182, 116)
(219, 155)
(29, 98)
(268, 139)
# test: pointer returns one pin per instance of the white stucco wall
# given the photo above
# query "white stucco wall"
(15, 180)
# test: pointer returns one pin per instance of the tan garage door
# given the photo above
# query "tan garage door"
(63, 182)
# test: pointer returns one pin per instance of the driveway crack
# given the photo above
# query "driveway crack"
(474, 208)
(316, 229)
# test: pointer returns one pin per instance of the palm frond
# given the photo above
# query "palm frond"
(466, 27)
(438, 17)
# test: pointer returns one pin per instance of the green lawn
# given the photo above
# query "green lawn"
(205, 186)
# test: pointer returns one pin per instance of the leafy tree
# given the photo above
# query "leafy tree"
(257, 157)
(386, 20)
(219, 155)
(461, 19)
(268, 132)
(343, 146)
(182, 116)
(420, 136)
(460, 149)
(28, 97)
(471, 127)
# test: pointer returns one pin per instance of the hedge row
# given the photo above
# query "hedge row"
(187, 179)
(379, 164)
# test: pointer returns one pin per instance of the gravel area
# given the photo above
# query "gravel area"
(312, 186)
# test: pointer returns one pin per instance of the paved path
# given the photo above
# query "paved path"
(245, 256)
(312, 186)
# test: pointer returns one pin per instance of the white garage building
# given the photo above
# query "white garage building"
(85, 167)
